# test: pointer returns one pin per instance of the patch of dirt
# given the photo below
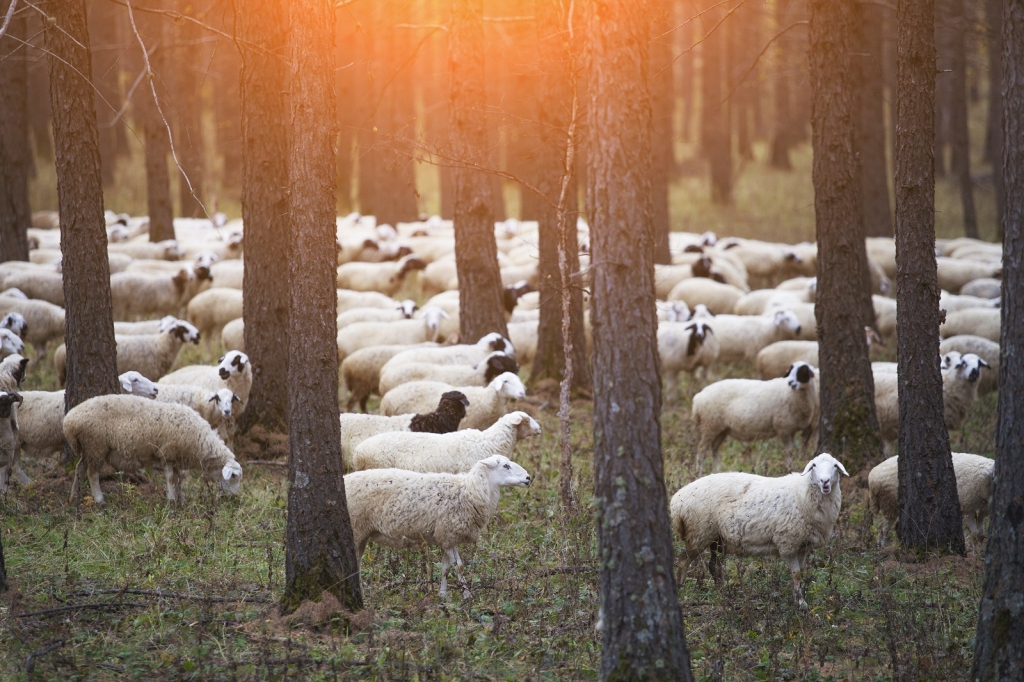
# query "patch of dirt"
(965, 568)
(313, 615)
(259, 443)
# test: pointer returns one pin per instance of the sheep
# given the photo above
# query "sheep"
(742, 337)
(360, 335)
(486, 404)
(40, 285)
(667, 277)
(685, 346)
(674, 311)
(523, 336)
(986, 287)
(229, 274)
(404, 508)
(229, 247)
(954, 273)
(748, 515)
(355, 428)
(748, 410)
(14, 322)
(348, 299)
(14, 293)
(361, 371)
(974, 475)
(765, 261)
(144, 327)
(984, 322)
(775, 360)
(165, 250)
(210, 310)
(452, 453)
(130, 432)
(404, 311)
(233, 335)
(719, 298)
(10, 343)
(138, 295)
(44, 321)
(233, 371)
(12, 372)
(952, 303)
(386, 278)
(984, 349)
(461, 354)
(213, 406)
(480, 374)
(9, 439)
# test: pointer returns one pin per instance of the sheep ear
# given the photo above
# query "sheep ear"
(235, 398)
(214, 398)
(231, 469)
(807, 469)
(126, 385)
(984, 364)
(842, 468)
(492, 462)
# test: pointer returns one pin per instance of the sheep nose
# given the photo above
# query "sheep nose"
(529, 480)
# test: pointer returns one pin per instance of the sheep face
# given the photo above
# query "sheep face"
(527, 426)
(969, 366)
(14, 366)
(455, 396)
(6, 401)
(495, 341)
(232, 364)
(14, 321)
(497, 364)
(503, 471)
(698, 332)
(408, 307)
(184, 332)
(410, 263)
(824, 471)
(133, 383)
(787, 319)
(171, 250)
(799, 375)
(224, 399)
(202, 264)
(229, 478)
(432, 316)
(10, 344)
(509, 385)
(166, 322)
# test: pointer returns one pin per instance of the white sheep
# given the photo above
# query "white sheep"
(165, 250)
(404, 509)
(487, 404)
(44, 321)
(741, 337)
(984, 349)
(748, 410)
(673, 311)
(480, 374)
(361, 371)
(9, 439)
(348, 299)
(983, 322)
(216, 407)
(12, 372)
(404, 311)
(718, 297)
(523, 336)
(135, 294)
(974, 475)
(210, 310)
(233, 371)
(748, 515)
(38, 284)
(459, 354)
(775, 360)
(986, 287)
(452, 453)
(685, 347)
(952, 303)
(130, 433)
(144, 327)
(954, 273)
(10, 343)
(233, 335)
(360, 335)
(14, 322)
(386, 278)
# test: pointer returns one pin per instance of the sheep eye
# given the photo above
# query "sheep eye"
(508, 467)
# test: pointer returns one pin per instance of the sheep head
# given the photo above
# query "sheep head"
(787, 319)
(15, 322)
(501, 471)
(184, 332)
(498, 363)
(799, 375)
(233, 363)
(698, 332)
(454, 397)
(224, 399)
(823, 472)
(410, 263)
(509, 385)
(230, 479)
(133, 383)
(10, 343)
(7, 399)
(969, 366)
(526, 426)
(408, 307)
(495, 341)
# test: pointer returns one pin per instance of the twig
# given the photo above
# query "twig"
(30, 660)
(266, 462)
(7, 19)
(706, 35)
(760, 54)
(179, 595)
(80, 607)
(128, 97)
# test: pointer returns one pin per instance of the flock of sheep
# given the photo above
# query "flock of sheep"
(428, 469)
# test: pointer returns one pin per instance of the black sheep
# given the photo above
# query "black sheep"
(445, 418)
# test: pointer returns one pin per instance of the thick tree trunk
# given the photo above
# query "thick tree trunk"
(263, 87)
(476, 255)
(929, 507)
(88, 325)
(956, 27)
(227, 114)
(999, 644)
(15, 152)
(662, 105)
(867, 64)
(320, 553)
(553, 102)
(345, 86)
(848, 424)
(157, 137)
(188, 137)
(716, 138)
(642, 635)
(994, 128)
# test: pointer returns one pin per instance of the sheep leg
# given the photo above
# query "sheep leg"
(787, 442)
(445, 563)
(4, 471)
(883, 531)
(466, 594)
(975, 530)
(671, 386)
(94, 486)
(794, 564)
(715, 564)
(716, 444)
(23, 479)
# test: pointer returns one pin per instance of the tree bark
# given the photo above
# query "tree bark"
(188, 138)
(999, 644)
(554, 96)
(994, 128)
(662, 105)
(158, 142)
(642, 635)
(15, 153)
(263, 88)
(105, 67)
(88, 324)
(716, 138)
(320, 553)
(848, 424)
(867, 63)
(955, 26)
(476, 255)
(929, 507)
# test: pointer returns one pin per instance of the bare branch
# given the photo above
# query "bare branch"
(8, 17)
(760, 54)
(708, 34)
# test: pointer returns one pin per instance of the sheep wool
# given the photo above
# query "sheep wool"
(741, 337)
(361, 371)
(486, 404)
(685, 346)
(9, 401)
(450, 411)
(480, 374)
(232, 371)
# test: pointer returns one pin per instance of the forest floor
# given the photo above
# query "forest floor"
(85, 604)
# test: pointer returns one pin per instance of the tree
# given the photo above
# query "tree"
(929, 507)
(476, 253)
(15, 154)
(554, 93)
(848, 424)
(994, 126)
(952, 27)
(263, 87)
(786, 51)
(642, 633)
(320, 552)
(716, 138)
(999, 644)
(103, 20)
(662, 105)
(866, 36)
(88, 325)
(157, 137)
(189, 129)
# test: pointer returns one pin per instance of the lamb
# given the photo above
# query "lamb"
(718, 297)
(135, 294)
(742, 337)
(130, 432)
(974, 475)
(486, 404)
(775, 360)
(9, 439)
(748, 515)
(14, 322)
(364, 334)
(685, 346)
(210, 310)
(213, 406)
(144, 327)
(11, 344)
(361, 371)
(983, 322)
(748, 410)
(984, 349)
(480, 374)
(404, 508)
(461, 354)
(355, 428)
(44, 321)
(233, 371)
(452, 453)
(386, 278)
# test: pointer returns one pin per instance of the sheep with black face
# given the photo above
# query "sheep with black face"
(685, 347)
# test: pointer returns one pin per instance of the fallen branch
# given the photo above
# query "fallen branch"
(180, 595)
(30, 660)
(80, 607)
(266, 462)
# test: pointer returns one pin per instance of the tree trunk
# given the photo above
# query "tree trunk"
(956, 27)
(662, 141)
(188, 138)
(642, 635)
(999, 644)
(929, 507)
(867, 63)
(88, 325)
(554, 96)
(105, 68)
(320, 553)
(263, 88)
(158, 141)
(994, 128)
(782, 137)
(15, 153)
(227, 114)
(476, 255)
(716, 138)
(848, 424)
(345, 86)
(685, 35)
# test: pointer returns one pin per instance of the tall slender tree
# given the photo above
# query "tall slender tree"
(476, 254)
(953, 28)
(88, 324)
(320, 552)
(994, 124)
(642, 633)
(105, 69)
(189, 130)
(866, 34)
(929, 507)
(157, 137)
(663, 106)
(15, 153)
(263, 87)
(716, 130)
(999, 644)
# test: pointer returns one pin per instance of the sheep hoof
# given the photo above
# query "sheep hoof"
(466, 594)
